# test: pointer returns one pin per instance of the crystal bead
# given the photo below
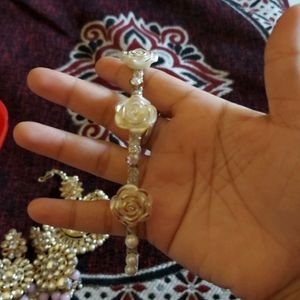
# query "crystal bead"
(136, 81)
(132, 159)
(134, 147)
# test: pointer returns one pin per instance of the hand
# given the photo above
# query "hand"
(224, 179)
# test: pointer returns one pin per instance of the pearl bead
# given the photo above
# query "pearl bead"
(65, 296)
(32, 288)
(131, 241)
(55, 296)
(43, 296)
(130, 270)
(75, 275)
(131, 259)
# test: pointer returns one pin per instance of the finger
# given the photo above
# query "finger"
(101, 158)
(282, 70)
(88, 216)
(92, 101)
(164, 91)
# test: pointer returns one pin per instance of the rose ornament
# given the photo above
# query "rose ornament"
(135, 113)
(139, 59)
(131, 205)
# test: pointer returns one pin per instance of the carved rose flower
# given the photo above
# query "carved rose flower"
(139, 59)
(135, 113)
(131, 205)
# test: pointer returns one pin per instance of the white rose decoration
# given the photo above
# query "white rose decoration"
(139, 59)
(135, 113)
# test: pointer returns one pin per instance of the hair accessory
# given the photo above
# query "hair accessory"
(136, 114)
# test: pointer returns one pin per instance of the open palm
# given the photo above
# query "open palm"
(224, 179)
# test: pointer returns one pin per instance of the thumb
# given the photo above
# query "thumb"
(282, 70)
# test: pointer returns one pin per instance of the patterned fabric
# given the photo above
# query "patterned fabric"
(216, 45)
(177, 56)
(174, 284)
(3, 122)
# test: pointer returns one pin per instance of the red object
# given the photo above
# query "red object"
(3, 122)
